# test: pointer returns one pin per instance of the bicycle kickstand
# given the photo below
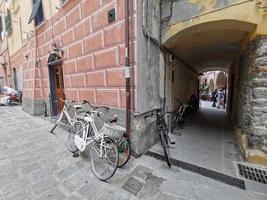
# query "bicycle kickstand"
(51, 131)
(171, 141)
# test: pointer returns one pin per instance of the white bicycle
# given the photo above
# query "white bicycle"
(65, 111)
(104, 151)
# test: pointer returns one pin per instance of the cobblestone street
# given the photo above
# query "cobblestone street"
(37, 165)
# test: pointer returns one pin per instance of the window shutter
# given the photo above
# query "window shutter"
(8, 23)
(37, 12)
(1, 27)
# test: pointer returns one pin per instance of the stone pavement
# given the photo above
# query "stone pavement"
(37, 165)
(207, 139)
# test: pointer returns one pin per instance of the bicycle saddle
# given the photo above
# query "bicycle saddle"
(77, 106)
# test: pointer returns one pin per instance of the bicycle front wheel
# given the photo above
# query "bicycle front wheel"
(165, 146)
(77, 129)
(104, 158)
(123, 145)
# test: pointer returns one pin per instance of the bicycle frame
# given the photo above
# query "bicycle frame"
(66, 113)
(69, 118)
(85, 136)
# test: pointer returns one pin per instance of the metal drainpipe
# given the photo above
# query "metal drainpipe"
(127, 69)
(158, 43)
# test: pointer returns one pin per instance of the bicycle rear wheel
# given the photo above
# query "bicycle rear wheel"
(175, 122)
(104, 166)
(165, 146)
(77, 129)
(124, 150)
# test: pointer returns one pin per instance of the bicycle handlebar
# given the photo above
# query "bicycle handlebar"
(94, 107)
(109, 120)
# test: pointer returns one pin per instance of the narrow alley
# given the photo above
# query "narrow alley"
(207, 139)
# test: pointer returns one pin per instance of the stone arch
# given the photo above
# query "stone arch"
(209, 44)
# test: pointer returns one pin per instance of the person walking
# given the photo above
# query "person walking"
(220, 97)
(213, 95)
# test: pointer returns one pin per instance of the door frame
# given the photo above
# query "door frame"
(53, 88)
(53, 95)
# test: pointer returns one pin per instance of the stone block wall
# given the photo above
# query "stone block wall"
(252, 93)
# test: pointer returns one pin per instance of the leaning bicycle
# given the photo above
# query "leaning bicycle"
(122, 140)
(65, 112)
(163, 134)
(179, 115)
(104, 151)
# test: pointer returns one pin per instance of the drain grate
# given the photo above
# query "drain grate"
(203, 171)
(142, 172)
(252, 173)
(133, 185)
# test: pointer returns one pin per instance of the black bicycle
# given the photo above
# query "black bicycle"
(179, 114)
(163, 134)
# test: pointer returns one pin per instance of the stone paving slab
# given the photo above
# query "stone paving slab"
(36, 165)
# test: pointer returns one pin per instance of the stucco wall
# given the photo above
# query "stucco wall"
(181, 15)
(149, 73)
(150, 79)
(20, 17)
(184, 9)
(182, 85)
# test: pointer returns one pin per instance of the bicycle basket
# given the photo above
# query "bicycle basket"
(113, 130)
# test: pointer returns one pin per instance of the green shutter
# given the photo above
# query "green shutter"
(1, 28)
(35, 9)
(8, 23)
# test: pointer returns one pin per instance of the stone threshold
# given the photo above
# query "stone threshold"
(251, 155)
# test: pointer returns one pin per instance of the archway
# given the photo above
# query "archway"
(198, 49)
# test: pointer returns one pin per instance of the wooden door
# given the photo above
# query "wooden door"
(59, 87)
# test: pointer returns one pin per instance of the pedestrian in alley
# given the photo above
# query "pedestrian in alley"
(213, 95)
(220, 97)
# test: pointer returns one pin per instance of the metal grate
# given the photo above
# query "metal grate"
(252, 173)
(203, 171)
(133, 185)
(142, 172)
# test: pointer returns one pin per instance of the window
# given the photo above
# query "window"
(1, 27)
(63, 2)
(8, 23)
(37, 12)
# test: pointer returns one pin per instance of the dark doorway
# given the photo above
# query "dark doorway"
(56, 88)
